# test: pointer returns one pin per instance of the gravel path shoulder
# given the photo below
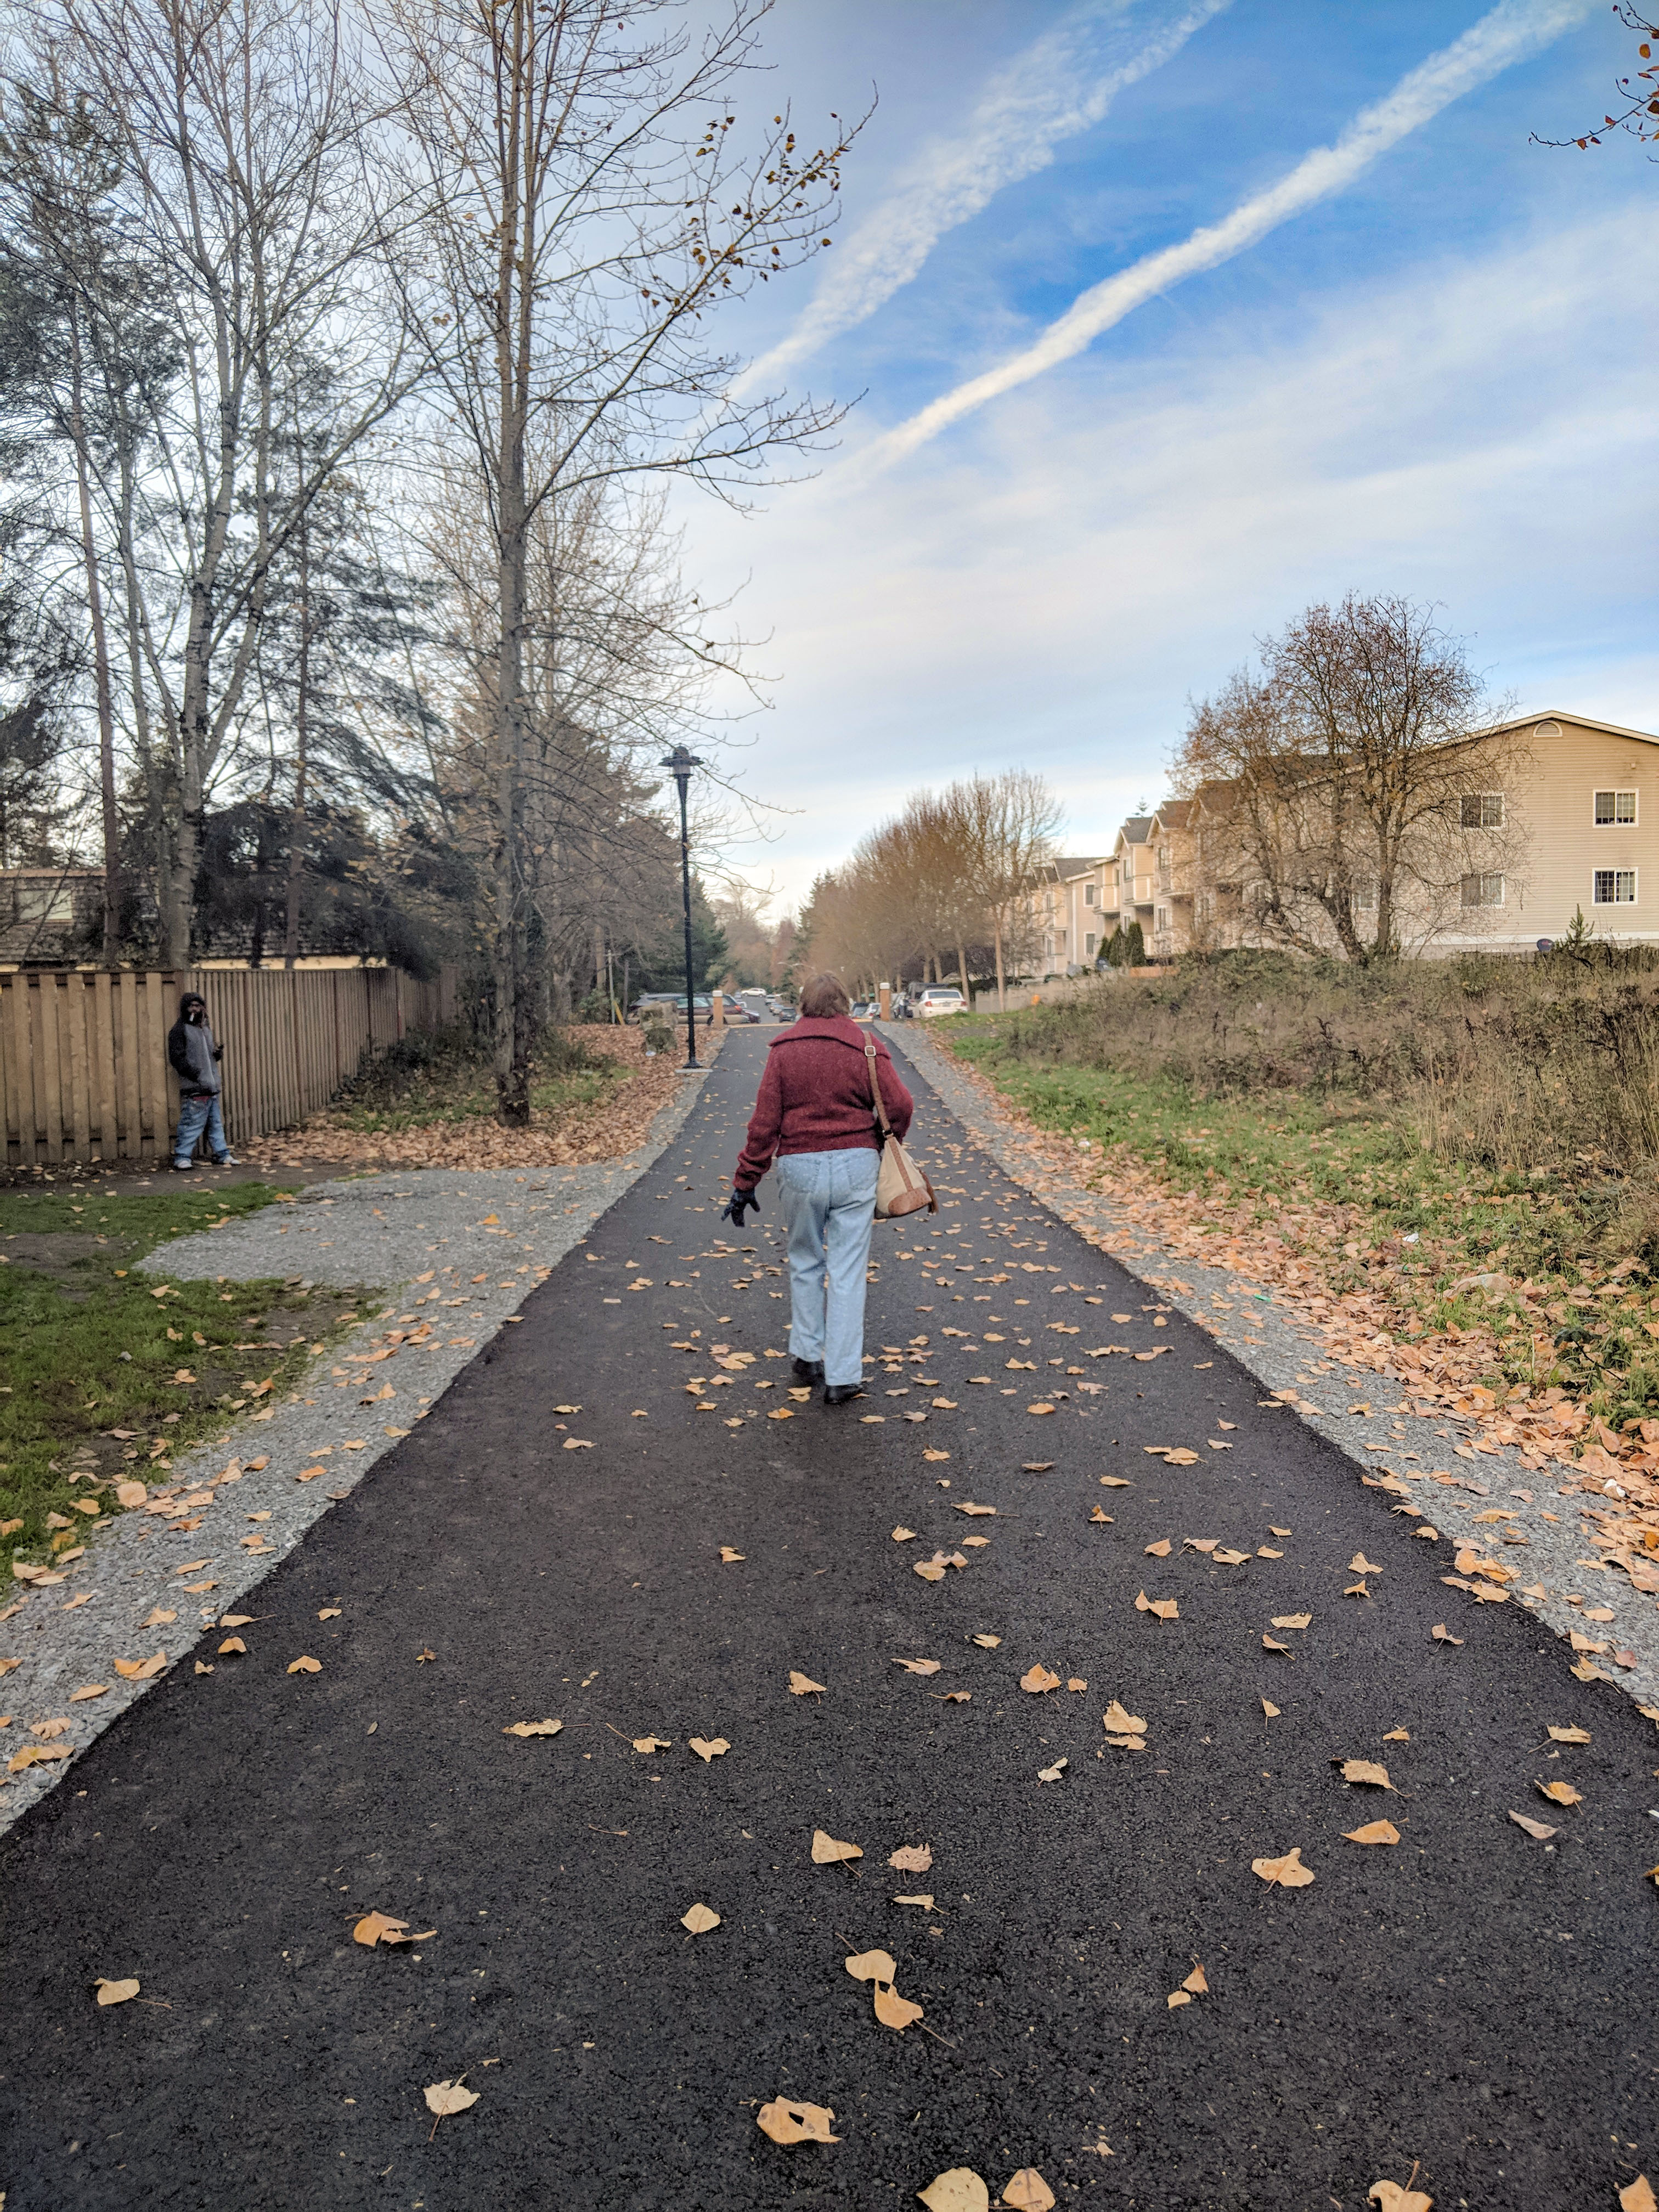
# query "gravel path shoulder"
(1289, 1360)
(160, 1579)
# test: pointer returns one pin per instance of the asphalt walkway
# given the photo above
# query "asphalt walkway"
(1471, 2000)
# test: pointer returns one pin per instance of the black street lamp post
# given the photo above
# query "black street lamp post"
(680, 764)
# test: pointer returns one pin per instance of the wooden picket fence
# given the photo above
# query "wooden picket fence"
(83, 1058)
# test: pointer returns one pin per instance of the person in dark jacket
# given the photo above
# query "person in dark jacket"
(195, 1059)
(815, 1116)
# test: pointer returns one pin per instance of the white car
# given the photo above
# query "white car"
(938, 999)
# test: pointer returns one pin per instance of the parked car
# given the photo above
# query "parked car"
(864, 1010)
(940, 998)
(667, 1006)
(734, 1009)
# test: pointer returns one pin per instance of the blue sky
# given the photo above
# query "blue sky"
(1439, 378)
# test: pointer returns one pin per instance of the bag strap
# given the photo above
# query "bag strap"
(882, 1121)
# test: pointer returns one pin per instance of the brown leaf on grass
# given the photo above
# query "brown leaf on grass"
(802, 1685)
(710, 1747)
(444, 2098)
(786, 2120)
(1569, 1734)
(1363, 1770)
(233, 1644)
(141, 1670)
(912, 1858)
(697, 1919)
(1028, 2192)
(1117, 1722)
(960, 2190)
(1165, 1608)
(826, 1851)
(1289, 1872)
(532, 1728)
(871, 1967)
(1374, 1831)
(1559, 1793)
(894, 2011)
(305, 1665)
(1390, 2196)
(110, 1993)
(1292, 1619)
(379, 1927)
(1038, 1681)
(1441, 1634)
(919, 1666)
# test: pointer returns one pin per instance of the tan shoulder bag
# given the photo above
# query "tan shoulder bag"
(901, 1186)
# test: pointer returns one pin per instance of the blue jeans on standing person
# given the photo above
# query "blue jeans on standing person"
(829, 1208)
(196, 1115)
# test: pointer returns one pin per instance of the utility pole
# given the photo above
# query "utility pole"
(680, 764)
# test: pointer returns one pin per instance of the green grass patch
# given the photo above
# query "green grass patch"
(1417, 1223)
(72, 1302)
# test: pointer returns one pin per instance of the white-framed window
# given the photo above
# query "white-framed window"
(1615, 808)
(44, 898)
(1487, 890)
(1089, 945)
(1615, 887)
(1482, 809)
(1364, 895)
(1091, 895)
(1163, 920)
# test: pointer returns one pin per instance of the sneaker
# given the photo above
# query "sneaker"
(226, 1160)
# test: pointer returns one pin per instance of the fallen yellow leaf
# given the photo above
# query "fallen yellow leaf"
(697, 1919)
(532, 1728)
(1569, 1734)
(1292, 1619)
(1374, 1831)
(1119, 1722)
(787, 2121)
(1637, 2196)
(1196, 1983)
(709, 1748)
(1390, 2196)
(901, 1535)
(650, 1743)
(379, 1927)
(802, 1685)
(1270, 1710)
(1028, 2191)
(1038, 1680)
(305, 1665)
(912, 1858)
(141, 1670)
(871, 1967)
(88, 1690)
(1164, 1608)
(1288, 1872)
(232, 1643)
(918, 1666)
(961, 2190)
(444, 2098)
(1560, 1793)
(110, 1993)
(826, 1851)
(1363, 1770)
(894, 2011)
(1441, 1634)
(729, 1558)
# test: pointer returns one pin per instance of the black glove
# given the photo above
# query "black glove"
(732, 1211)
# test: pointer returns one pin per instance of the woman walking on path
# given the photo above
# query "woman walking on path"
(815, 1115)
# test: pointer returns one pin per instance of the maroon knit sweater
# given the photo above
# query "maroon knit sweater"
(815, 1097)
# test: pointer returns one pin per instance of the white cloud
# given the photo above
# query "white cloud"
(1511, 32)
(1116, 537)
(1061, 84)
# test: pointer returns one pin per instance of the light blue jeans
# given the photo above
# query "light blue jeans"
(829, 1209)
(195, 1117)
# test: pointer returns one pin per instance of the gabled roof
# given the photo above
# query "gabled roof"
(1584, 721)
(1076, 867)
(1173, 813)
(1135, 830)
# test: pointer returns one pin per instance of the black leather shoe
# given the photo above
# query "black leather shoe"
(810, 1370)
(837, 1394)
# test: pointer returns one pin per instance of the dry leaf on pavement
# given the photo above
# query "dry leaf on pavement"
(1028, 2191)
(1176, 1998)
(379, 1927)
(141, 1670)
(961, 2190)
(1360, 1565)
(1441, 1634)
(802, 1685)
(786, 2121)
(710, 1747)
(1390, 2196)
(1363, 1770)
(1637, 2196)
(88, 1690)
(729, 1558)
(912, 1858)
(533, 1728)
(1288, 1872)
(894, 2011)
(1038, 1681)
(901, 1535)
(697, 1919)
(1374, 1831)
(444, 2098)
(1052, 1773)
(650, 1743)
(924, 1902)
(110, 1993)
(1569, 1734)
(986, 1643)
(1160, 1550)
(1398, 1735)
(1165, 1608)
(1119, 1722)
(826, 1851)
(919, 1666)
(1292, 1619)
(1560, 1793)
(1196, 1983)
(871, 1967)
(1270, 1711)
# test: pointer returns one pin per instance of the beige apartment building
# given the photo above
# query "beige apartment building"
(1568, 830)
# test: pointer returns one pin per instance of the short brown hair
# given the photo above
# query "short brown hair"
(824, 997)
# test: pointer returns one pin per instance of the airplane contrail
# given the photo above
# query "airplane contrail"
(1048, 93)
(1510, 32)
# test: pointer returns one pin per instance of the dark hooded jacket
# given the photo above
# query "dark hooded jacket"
(193, 1055)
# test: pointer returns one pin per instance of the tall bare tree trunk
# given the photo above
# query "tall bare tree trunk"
(296, 833)
(112, 918)
(961, 970)
(1002, 981)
